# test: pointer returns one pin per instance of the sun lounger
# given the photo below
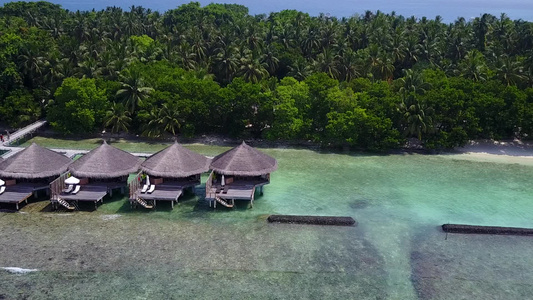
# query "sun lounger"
(145, 188)
(226, 188)
(68, 189)
(152, 188)
(2, 189)
(219, 189)
(76, 190)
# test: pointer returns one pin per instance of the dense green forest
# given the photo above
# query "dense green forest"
(369, 81)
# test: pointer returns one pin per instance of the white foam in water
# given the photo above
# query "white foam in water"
(16, 270)
(110, 217)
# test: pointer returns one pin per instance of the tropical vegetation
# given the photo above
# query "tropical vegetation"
(368, 81)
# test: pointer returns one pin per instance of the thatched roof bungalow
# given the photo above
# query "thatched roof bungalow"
(29, 171)
(244, 160)
(105, 162)
(175, 161)
(236, 174)
(100, 171)
(34, 162)
(170, 171)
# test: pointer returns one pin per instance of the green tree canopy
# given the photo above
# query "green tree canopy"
(78, 106)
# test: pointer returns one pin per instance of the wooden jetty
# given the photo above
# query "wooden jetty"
(23, 132)
(236, 175)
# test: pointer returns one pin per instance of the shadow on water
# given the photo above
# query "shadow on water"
(359, 204)
(487, 266)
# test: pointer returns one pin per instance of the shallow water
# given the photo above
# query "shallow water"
(397, 250)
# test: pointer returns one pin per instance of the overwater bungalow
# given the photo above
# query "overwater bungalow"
(97, 174)
(236, 175)
(29, 172)
(166, 174)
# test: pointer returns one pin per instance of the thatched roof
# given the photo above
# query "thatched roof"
(34, 162)
(245, 161)
(105, 162)
(175, 161)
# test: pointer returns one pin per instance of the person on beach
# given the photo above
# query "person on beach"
(2, 138)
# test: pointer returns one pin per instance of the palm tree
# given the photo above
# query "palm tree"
(509, 71)
(327, 62)
(169, 119)
(269, 58)
(225, 63)
(473, 66)
(152, 128)
(165, 119)
(350, 66)
(32, 66)
(118, 118)
(417, 117)
(300, 69)
(133, 91)
(252, 69)
(413, 82)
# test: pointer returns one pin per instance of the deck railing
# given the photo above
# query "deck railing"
(209, 185)
(135, 184)
(57, 186)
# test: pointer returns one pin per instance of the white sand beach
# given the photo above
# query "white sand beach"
(514, 152)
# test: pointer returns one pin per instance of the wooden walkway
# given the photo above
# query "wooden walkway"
(30, 129)
(21, 133)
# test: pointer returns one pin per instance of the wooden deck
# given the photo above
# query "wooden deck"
(167, 191)
(233, 192)
(238, 190)
(18, 193)
(88, 192)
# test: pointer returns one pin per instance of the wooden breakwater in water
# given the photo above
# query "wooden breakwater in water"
(475, 229)
(312, 220)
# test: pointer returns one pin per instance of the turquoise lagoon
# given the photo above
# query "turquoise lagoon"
(397, 250)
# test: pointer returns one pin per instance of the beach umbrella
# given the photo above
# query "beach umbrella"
(223, 180)
(2, 182)
(147, 179)
(72, 180)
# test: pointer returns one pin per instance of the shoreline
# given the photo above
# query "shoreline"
(510, 152)
(504, 151)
